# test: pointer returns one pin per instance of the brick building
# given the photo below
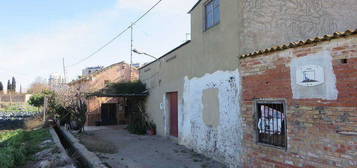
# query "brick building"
(247, 110)
(107, 110)
(313, 123)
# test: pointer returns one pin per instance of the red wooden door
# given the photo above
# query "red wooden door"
(173, 114)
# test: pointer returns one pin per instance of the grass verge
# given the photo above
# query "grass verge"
(19, 146)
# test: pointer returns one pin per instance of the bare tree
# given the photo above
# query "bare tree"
(74, 102)
(38, 86)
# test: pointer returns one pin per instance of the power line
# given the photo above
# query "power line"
(12, 73)
(115, 37)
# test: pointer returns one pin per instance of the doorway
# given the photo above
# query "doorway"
(173, 103)
(109, 114)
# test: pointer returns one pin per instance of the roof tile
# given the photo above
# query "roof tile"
(301, 43)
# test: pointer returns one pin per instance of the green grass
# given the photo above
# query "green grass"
(16, 147)
(13, 108)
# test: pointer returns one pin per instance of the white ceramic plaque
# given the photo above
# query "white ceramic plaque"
(310, 75)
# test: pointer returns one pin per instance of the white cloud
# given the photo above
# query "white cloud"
(176, 6)
(40, 53)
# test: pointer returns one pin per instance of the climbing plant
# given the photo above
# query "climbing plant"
(135, 87)
(138, 119)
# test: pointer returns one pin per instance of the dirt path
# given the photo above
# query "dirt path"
(119, 149)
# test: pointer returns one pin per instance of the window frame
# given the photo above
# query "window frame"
(256, 121)
(208, 2)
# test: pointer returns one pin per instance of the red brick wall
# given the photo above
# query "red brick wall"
(312, 124)
(94, 109)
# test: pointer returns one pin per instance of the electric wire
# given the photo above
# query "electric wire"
(115, 37)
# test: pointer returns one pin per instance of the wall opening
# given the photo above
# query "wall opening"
(271, 123)
(344, 61)
(173, 107)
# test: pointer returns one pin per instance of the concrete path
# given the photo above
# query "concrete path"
(135, 151)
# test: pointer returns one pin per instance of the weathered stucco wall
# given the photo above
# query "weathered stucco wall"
(219, 136)
(218, 47)
(161, 77)
(250, 25)
(269, 23)
(223, 141)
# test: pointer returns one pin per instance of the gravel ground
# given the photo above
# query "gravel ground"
(134, 151)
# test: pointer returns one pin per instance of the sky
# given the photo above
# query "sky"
(35, 35)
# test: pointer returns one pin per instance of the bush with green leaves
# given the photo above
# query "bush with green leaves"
(37, 100)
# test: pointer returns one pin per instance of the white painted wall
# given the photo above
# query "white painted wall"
(222, 142)
(327, 90)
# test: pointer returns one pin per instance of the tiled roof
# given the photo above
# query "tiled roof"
(87, 77)
(301, 43)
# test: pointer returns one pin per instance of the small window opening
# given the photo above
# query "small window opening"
(271, 123)
(344, 61)
(212, 13)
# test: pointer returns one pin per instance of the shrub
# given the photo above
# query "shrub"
(16, 147)
(37, 100)
(138, 120)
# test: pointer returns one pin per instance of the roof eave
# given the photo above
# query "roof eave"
(296, 44)
(173, 50)
(193, 8)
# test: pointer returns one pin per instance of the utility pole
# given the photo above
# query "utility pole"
(131, 49)
(64, 71)
(45, 106)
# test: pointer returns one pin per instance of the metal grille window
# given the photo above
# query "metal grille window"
(271, 123)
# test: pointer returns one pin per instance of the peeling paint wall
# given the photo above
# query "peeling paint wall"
(224, 141)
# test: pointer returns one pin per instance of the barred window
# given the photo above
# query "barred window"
(271, 123)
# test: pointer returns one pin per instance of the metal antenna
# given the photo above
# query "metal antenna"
(131, 49)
